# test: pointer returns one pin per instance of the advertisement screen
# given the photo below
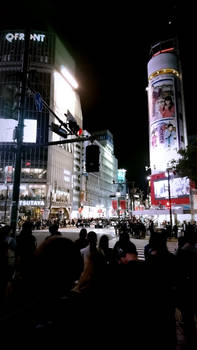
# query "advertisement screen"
(121, 175)
(8, 126)
(163, 144)
(64, 98)
(161, 100)
(30, 130)
(162, 123)
(179, 187)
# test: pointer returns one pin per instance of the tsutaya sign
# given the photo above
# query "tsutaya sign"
(21, 36)
(31, 203)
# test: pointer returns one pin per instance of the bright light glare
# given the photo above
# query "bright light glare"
(69, 77)
(30, 130)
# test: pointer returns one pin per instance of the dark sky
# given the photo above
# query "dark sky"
(110, 45)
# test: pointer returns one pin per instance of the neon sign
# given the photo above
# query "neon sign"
(21, 36)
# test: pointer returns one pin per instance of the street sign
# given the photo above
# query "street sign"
(38, 102)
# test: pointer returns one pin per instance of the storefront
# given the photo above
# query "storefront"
(31, 208)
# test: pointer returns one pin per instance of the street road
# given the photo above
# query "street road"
(73, 234)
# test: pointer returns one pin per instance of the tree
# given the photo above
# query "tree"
(187, 164)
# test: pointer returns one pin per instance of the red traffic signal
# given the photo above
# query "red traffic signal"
(80, 132)
(72, 124)
(27, 163)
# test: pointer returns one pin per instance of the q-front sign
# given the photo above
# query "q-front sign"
(21, 36)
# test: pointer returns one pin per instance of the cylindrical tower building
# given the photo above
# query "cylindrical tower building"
(167, 126)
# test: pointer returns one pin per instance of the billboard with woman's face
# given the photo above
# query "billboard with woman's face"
(162, 123)
(163, 144)
(161, 100)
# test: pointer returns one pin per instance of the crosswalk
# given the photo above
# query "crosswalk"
(140, 243)
(140, 251)
(74, 234)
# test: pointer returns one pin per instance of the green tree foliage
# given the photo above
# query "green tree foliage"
(187, 164)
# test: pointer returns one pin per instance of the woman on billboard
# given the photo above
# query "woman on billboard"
(167, 109)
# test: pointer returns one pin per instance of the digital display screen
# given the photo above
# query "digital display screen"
(179, 187)
(7, 127)
(163, 137)
(30, 130)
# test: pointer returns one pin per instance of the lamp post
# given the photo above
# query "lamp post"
(148, 177)
(148, 191)
(6, 200)
(20, 130)
(118, 194)
(169, 198)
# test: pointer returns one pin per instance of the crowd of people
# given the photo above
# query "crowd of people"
(73, 290)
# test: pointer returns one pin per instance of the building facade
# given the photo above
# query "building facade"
(97, 188)
(48, 181)
(167, 130)
(54, 182)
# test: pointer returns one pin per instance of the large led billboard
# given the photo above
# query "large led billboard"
(162, 123)
(161, 99)
(163, 144)
(121, 175)
(8, 126)
(65, 99)
(177, 188)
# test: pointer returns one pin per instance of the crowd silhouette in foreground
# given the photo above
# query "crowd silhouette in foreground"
(85, 293)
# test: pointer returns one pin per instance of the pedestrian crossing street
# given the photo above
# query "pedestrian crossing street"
(140, 243)
(74, 234)
(140, 251)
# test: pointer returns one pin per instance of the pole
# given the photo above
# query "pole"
(118, 209)
(133, 198)
(5, 206)
(170, 205)
(20, 129)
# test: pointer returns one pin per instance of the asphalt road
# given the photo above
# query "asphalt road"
(73, 234)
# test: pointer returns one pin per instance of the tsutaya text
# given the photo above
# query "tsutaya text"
(31, 203)
(21, 36)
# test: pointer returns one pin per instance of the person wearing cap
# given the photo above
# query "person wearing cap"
(126, 252)
(129, 292)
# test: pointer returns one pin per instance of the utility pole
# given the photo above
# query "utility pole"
(132, 195)
(169, 198)
(19, 136)
(6, 200)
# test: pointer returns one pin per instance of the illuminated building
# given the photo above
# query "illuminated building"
(48, 177)
(97, 188)
(167, 128)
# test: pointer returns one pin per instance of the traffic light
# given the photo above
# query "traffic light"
(92, 158)
(58, 130)
(73, 126)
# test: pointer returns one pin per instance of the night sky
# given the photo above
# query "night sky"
(110, 45)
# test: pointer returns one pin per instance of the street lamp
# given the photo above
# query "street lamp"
(169, 198)
(148, 190)
(5, 205)
(148, 177)
(118, 194)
